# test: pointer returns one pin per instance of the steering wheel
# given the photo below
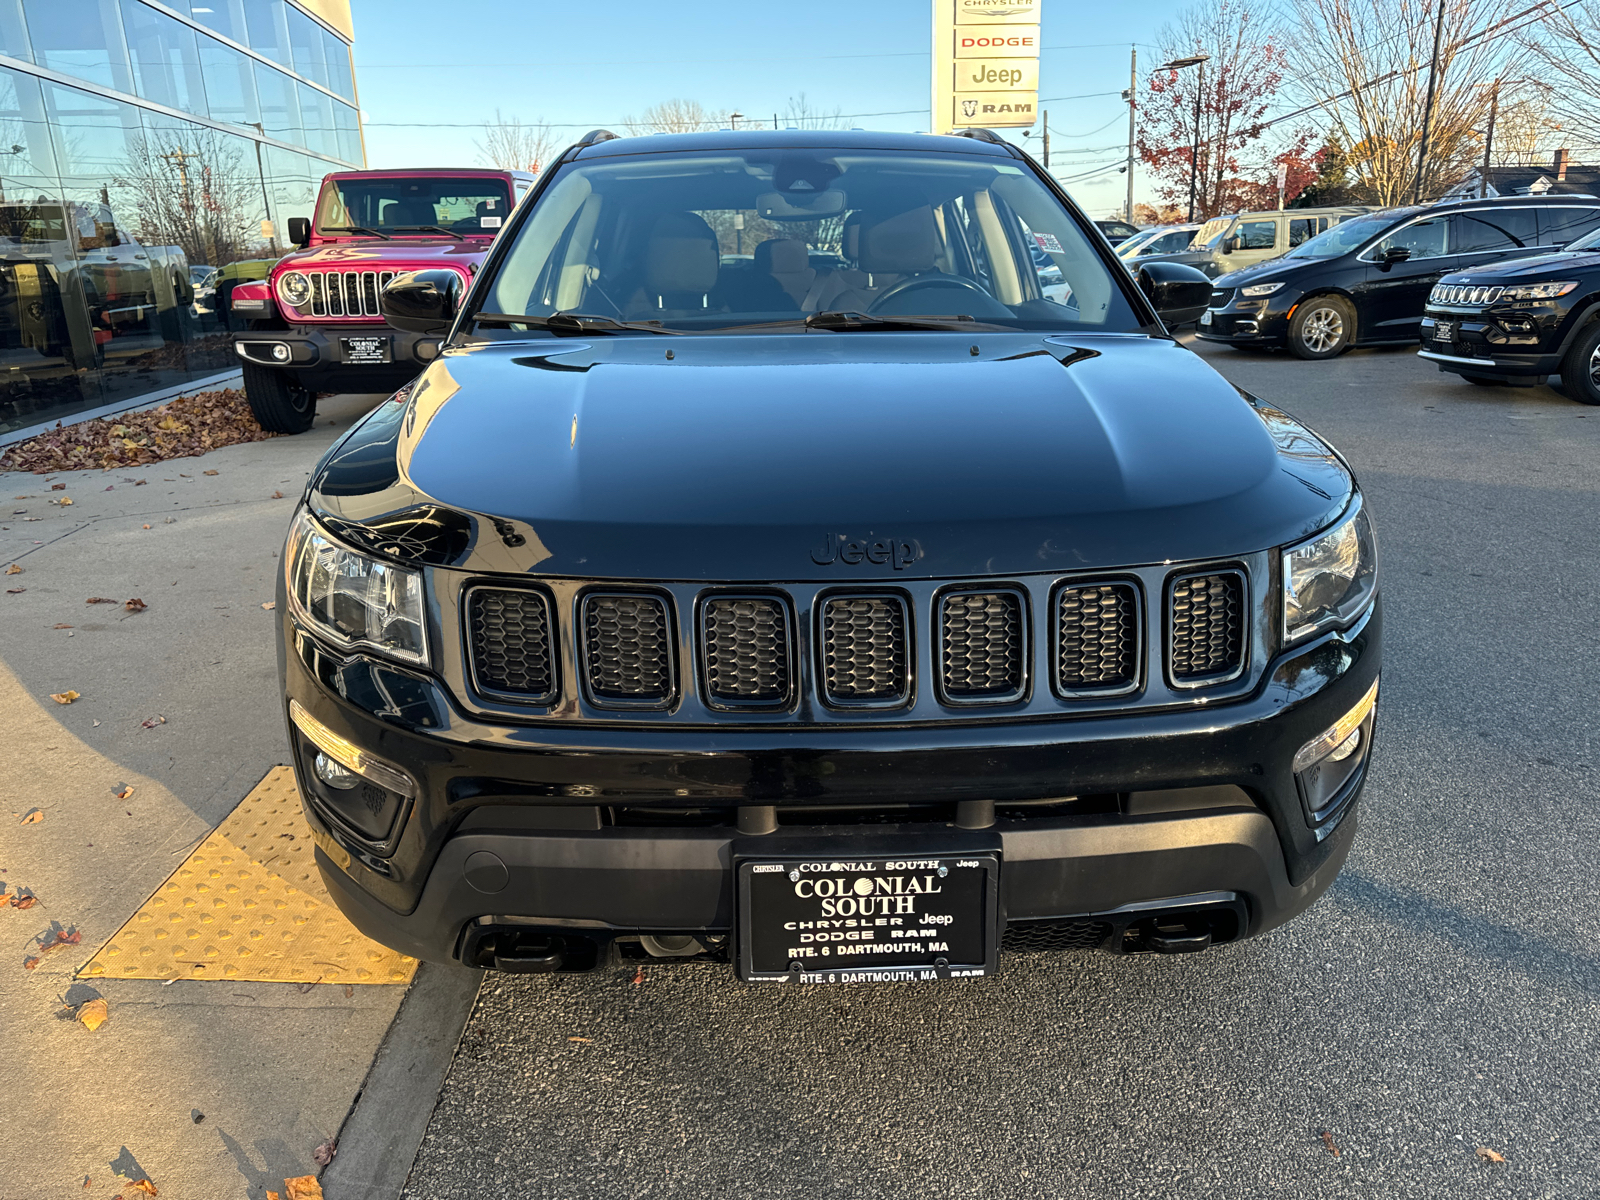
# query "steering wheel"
(926, 281)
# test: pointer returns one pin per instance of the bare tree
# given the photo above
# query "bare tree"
(1568, 46)
(193, 188)
(1373, 57)
(514, 146)
(799, 114)
(1526, 133)
(676, 116)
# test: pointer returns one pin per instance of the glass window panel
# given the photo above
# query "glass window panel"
(14, 31)
(305, 43)
(294, 180)
(269, 32)
(1492, 229)
(224, 16)
(341, 76)
(1425, 239)
(230, 83)
(1558, 226)
(81, 38)
(280, 106)
(165, 58)
(316, 115)
(349, 134)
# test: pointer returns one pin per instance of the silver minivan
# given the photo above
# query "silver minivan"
(1238, 240)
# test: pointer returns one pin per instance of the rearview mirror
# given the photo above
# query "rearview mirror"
(421, 301)
(1179, 293)
(800, 206)
(299, 231)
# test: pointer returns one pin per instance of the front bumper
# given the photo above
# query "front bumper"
(319, 356)
(1480, 344)
(1249, 322)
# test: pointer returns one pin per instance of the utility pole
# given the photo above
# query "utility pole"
(266, 204)
(1046, 140)
(1133, 106)
(1488, 140)
(1427, 111)
(1194, 159)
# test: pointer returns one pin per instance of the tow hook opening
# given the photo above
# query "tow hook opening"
(1182, 931)
(528, 951)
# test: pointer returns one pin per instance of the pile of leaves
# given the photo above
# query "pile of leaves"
(186, 426)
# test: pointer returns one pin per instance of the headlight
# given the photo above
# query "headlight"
(294, 288)
(1538, 291)
(1260, 289)
(355, 600)
(1330, 579)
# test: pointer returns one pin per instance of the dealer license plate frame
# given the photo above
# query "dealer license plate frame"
(378, 348)
(757, 914)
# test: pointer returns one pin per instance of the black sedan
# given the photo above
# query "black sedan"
(1520, 322)
(1367, 280)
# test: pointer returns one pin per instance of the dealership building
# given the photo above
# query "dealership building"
(151, 155)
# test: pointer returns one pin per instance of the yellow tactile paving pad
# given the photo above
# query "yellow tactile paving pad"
(249, 905)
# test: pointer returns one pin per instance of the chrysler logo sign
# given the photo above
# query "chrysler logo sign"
(836, 547)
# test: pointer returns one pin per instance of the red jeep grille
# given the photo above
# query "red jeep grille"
(345, 293)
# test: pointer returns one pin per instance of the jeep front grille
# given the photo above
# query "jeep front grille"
(982, 647)
(745, 650)
(1097, 637)
(1460, 293)
(512, 643)
(865, 650)
(345, 293)
(627, 648)
(1206, 626)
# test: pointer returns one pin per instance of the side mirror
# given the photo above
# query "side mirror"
(422, 301)
(1394, 254)
(300, 231)
(1178, 293)
(1229, 245)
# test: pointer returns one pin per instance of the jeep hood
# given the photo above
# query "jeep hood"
(404, 253)
(746, 457)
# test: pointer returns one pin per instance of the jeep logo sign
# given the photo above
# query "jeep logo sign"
(836, 547)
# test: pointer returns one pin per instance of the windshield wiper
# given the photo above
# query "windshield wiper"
(426, 228)
(356, 229)
(846, 321)
(568, 324)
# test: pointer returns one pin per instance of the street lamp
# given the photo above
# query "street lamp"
(733, 119)
(1178, 64)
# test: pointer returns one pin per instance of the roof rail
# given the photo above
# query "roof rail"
(982, 135)
(596, 136)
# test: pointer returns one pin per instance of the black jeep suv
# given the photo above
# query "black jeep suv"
(1520, 322)
(1367, 280)
(838, 622)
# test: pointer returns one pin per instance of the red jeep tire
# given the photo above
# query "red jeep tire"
(280, 402)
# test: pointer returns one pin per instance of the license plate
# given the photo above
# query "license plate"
(1205, 318)
(865, 920)
(1444, 331)
(365, 349)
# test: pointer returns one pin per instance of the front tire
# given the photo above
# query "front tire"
(1323, 327)
(1580, 369)
(280, 403)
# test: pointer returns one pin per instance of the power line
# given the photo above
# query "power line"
(582, 124)
(645, 62)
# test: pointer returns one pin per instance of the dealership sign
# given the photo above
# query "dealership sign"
(985, 63)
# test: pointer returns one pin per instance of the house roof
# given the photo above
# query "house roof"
(1537, 180)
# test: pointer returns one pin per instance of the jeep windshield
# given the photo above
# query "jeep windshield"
(466, 206)
(870, 240)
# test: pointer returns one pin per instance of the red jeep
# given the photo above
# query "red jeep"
(313, 324)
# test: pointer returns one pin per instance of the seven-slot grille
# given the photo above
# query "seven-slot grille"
(512, 643)
(1460, 293)
(1207, 627)
(745, 650)
(346, 293)
(747, 644)
(864, 650)
(627, 648)
(1097, 637)
(982, 648)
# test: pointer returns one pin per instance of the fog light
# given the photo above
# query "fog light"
(280, 352)
(347, 754)
(1326, 764)
(1334, 737)
(335, 775)
(1346, 748)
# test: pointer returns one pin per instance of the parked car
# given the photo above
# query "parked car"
(1116, 231)
(1367, 280)
(1521, 321)
(313, 323)
(1238, 240)
(672, 616)
(1159, 239)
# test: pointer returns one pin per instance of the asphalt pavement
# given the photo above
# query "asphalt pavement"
(1444, 997)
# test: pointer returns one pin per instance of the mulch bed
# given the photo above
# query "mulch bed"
(183, 427)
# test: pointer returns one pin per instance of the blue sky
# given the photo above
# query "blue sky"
(424, 94)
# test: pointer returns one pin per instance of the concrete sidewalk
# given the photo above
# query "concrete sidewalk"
(273, 1067)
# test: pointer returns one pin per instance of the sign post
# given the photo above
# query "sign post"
(985, 64)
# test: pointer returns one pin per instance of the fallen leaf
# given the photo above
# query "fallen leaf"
(92, 1015)
(145, 1186)
(99, 600)
(1489, 1155)
(109, 486)
(29, 964)
(61, 627)
(64, 501)
(15, 591)
(270, 605)
(140, 482)
(277, 495)
(271, 1195)
(58, 487)
(195, 1114)
(211, 472)
(23, 902)
(152, 722)
(63, 697)
(13, 569)
(349, 991)
(123, 790)
(302, 1187)
(33, 816)
(638, 976)
(585, 1041)
(135, 605)
(1327, 1139)
(323, 1154)
(147, 527)
(87, 1182)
